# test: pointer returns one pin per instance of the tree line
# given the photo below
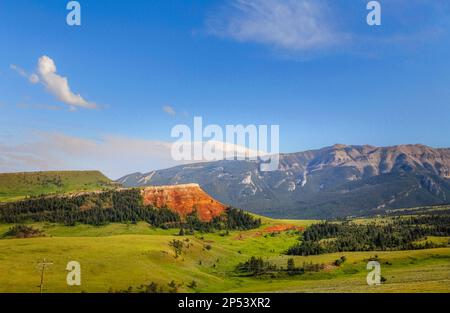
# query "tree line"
(115, 206)
(257, 266)
(396, 234)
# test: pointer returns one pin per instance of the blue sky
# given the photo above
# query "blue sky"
(140, 67)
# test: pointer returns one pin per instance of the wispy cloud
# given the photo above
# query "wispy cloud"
(38, 106)
(59, 151)
(311, 27)
(293, 25)
(54, 83)
(33, 78)
(169, 110)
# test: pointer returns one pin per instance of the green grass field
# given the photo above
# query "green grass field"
(16, 186)
(119, 256)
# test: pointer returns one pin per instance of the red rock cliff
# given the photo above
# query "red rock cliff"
(183, 199)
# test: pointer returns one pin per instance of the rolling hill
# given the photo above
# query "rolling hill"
(209, 260)
(335, 181)
(16, 186)
(116, 257)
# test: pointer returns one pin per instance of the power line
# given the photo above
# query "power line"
(44, 263)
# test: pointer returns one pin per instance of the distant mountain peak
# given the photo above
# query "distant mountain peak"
(339, 180)
(339, 146)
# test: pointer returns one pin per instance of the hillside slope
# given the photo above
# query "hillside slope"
(16, 186)
(334, 181)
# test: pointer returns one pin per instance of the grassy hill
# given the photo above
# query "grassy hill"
(118, 256)
(16, 186)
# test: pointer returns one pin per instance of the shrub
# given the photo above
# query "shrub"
(340, 261)
(23, 231)
(192, 284)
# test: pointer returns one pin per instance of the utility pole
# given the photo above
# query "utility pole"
(43, 264)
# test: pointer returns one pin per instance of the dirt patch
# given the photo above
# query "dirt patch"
(329, 267)
(269, 230)
(243, 236)
(282, 227)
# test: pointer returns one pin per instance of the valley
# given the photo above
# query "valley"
(178, 238)
(116, 257)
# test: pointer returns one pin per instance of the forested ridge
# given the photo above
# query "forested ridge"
(401, 233)
(113, 206)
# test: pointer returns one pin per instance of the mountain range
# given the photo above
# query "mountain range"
(336, 181)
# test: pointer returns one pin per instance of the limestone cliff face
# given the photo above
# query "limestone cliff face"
(183, 199)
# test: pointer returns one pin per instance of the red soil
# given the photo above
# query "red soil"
(268, 230)
(282, 227)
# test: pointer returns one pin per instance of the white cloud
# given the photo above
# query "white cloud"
(59, 85)
(34, 79)
(114, 155)
(292, 25)
(169, 110)
(55, 84)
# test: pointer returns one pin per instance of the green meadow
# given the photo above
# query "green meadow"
(119, 256)
(16, 186)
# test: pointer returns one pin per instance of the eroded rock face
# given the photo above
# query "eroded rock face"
(183, 199)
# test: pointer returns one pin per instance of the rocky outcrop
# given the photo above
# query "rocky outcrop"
(183, 199)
